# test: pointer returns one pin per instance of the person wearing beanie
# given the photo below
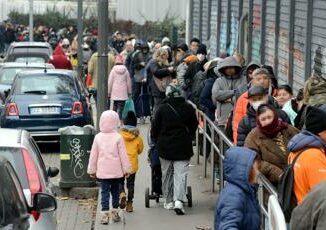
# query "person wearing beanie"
(173, 127)
(119, 86)
(310, 147)
(134, 145)
(166, 42)
(270, 139)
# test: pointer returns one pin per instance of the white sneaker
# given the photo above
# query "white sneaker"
(169, 206)
(178, 208)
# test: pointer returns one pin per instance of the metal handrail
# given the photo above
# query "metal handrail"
(264, 184)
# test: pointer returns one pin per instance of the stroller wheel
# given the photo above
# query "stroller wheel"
(189, 196)
(147, 197)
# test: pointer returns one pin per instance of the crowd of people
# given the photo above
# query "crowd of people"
(270, 124)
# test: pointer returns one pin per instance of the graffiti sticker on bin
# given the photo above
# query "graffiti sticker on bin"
(65, 157)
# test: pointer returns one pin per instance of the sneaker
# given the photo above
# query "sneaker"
(169, 206)
(123, 200)
(129, 207)
(178, 208)
(105, 217)
(115, 215)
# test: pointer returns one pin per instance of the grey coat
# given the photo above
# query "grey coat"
(311, 213)
(225, 89)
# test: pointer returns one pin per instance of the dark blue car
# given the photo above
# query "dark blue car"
(42, 101)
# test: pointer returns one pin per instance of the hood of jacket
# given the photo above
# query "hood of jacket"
(252, 64)
(58, 50)
(237, 167)
(129, 133)
(303, 140)
(228, 62)
(109, 122)
(119, 69)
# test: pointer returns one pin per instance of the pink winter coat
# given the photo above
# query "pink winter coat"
(119, 83)
(109, 157)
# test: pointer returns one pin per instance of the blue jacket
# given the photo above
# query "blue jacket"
(237, 207)
(304, 140)
(205, 99)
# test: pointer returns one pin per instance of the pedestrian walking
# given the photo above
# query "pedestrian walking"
(119, 85)
(109, 163)
(135, 146)
(174, 126)
(237, 206)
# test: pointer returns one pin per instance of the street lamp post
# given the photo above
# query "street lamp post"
(80, 39)
(102, 85)
(31, 22)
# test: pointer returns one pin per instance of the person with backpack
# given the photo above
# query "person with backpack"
(174, 126)
(269, 140)
(134, 145)
(308, 148)
(237, 206)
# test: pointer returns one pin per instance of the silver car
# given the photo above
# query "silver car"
(18, 147)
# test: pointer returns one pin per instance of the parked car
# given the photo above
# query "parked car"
(44, 101)
(28, 52)
(9, 70)
(21, 151)
(15, 213)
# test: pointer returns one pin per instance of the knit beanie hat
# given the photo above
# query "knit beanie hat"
(173, 90)
(183, 47)
(315, 120)
(130, 119)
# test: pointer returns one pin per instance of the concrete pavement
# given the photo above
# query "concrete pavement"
(155, 217)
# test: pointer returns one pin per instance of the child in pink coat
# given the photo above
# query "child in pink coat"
(109, 163)
(119, 85)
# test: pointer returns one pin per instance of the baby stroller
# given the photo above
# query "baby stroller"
(155, 192)
(142, 104)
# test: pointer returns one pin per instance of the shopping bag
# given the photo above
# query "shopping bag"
(129, 106)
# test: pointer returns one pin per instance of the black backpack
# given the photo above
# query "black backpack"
(285, 193)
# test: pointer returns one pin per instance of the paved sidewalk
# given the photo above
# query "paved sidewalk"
(201, 214)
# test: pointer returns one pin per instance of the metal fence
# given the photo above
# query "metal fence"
(209, 133)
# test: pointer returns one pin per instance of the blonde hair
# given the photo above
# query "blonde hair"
(158, 56)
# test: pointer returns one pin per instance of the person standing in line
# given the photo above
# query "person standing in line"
(237, 206)
(119, 85)
(174, 126)
(109, 163)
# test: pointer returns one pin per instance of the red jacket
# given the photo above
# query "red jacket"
(59, 59)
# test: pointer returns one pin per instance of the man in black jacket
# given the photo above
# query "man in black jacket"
(174, 126)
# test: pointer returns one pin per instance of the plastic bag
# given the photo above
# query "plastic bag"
(129, 106)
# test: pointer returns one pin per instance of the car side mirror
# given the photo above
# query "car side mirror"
(6, 92)
(53, 171)
(43, 202)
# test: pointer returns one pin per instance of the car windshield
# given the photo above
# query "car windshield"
(25, 50)
(14, 156)
(7, 75)
(45, 84)
(30, 59)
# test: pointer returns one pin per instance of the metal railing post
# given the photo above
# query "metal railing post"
(204, 148)
(212, 156)
(221, 162)
(197, 139)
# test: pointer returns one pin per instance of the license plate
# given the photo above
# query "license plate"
(45, 110)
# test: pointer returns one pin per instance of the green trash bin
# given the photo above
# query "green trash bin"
(74, 157)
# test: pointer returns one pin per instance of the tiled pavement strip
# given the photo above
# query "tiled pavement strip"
(80, 214)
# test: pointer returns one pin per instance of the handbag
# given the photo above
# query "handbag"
(129, 106)
(163, 83)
